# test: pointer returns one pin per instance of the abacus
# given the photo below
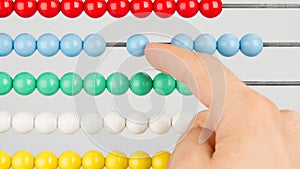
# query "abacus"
(76, 90)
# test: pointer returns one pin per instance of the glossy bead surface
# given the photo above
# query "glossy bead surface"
(94, 45)
(5, 122)
(136, 44)
(183, 41)
(116, 160)
(6, 83)
(48, 44)
(22, 160)
(117, 83)
(71, 84)
(25, 8)
(210, 8)
(48, 8)
(69, 160)
(160, 124)
(6, 8)
(4, 160)
(187, 8)
(91, 123)
(160, 160)
(118, 8)
(24, 44)
(228, 45)
(181, 122)
(71, 45)
(93, 160)
(45, 123)
(68, 123)
(24, 83)
(94, 84)
(71, 8)
(164, 8)
(251, 45)
(183, 88)
(141, 8)
(95, 8)
(6, 44)
(114, 123)
(137, 123)
(141, 84)
(205, 43)
(139, 160)
(164, 84)
(23, 122)
(46, 160)
(47, 84)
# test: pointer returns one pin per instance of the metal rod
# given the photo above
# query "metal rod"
(262, 5)
(272, 83)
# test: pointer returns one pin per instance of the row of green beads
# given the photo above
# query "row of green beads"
(94, 84)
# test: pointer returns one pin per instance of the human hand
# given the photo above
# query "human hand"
(253, 132)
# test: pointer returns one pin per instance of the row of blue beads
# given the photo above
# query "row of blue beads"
(48, 45)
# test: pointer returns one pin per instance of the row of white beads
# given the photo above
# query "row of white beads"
(69, 123)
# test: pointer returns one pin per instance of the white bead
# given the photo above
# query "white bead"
(5, 121)
(91, 123)
(181, 122)
(114, 123)
(161, 124)
(23, 122)
(137, 123)
(68, 123)
(45, 123)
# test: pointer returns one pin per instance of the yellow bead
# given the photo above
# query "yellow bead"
(160, 160)
(4, 160)
(139, 160)
(46, 160)
(93, 160)
(69, 160)
(22, 160)
(116, 160)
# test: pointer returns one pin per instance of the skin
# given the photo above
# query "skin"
(253, 132)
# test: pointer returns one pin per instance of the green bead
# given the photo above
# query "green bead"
(117, 83)
(183, 88)
(71, 84)
(164, 84)
(24, 83)
(94, 84)
(47, 84)
(6, 83)
(141, 84)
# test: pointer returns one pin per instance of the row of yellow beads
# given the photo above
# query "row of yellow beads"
(90, 160)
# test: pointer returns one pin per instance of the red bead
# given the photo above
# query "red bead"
(25, 8)
(6, 8)
(187, 8)
(164, 8)
(210, 8)
(48, 8)
(141, 8)
(71, 8)
(95, 8)
(118, 8)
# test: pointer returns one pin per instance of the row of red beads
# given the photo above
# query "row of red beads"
(116, 8)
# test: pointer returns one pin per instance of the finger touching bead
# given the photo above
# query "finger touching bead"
(205, 43)
(136, 44)
(183, 41)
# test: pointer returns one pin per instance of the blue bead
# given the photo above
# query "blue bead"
(48, 44)
(94, 45)
(228, 45)
(6, 44)
(205, 43)
(24, 44)
(183, 41)
(136, 44)
(71, 45)
(251, 45)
